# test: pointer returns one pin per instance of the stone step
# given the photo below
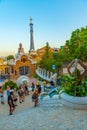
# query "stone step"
(50, 103)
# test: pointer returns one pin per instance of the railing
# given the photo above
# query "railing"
(44, 74)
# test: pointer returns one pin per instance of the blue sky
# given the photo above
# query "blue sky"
(54, 21)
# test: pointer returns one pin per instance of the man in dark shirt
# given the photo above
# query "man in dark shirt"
(10, 103)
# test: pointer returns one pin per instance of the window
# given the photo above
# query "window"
(24, 70)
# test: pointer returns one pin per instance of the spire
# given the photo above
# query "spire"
(31, 36)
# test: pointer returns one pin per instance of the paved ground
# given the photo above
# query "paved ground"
(27, 117)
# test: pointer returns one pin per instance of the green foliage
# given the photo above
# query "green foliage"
(70, 86)
(50, 59)
(82, 51)
(58, 67)
(63, 56)
(38, 78)
(10, 57)
(11, 84)
(77, 45)
(48, 54)
(47, 60)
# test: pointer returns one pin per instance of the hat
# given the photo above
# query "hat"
(37, 83)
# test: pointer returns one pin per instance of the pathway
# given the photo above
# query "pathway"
(27, 117)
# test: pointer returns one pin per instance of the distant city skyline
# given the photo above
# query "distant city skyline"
(54, 21)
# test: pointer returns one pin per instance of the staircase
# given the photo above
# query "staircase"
(51, 102)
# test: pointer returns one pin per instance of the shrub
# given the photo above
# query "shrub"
(70, 86)
(11, 84)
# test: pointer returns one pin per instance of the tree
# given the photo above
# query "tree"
(47, 59)
(10, 57)
(48, 53)
(82, 51)
(58, 67)
(77, 44)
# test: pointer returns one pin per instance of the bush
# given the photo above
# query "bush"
(70, 86)
(11, 84)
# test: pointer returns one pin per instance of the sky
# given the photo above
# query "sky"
(54, 21)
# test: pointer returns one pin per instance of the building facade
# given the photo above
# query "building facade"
(23, 63)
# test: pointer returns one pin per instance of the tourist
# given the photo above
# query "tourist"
(33, 86)
(35, 97)
(53, 89)
(10, 103)
(1, 95)
(38, 86)
(15, 97)
(8, 91)
(44, 85)
(36, 94)
(26, 90)
(53, 82)
(21, 94)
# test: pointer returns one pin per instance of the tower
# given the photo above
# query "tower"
(31, 36)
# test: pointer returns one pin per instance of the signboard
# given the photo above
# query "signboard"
(53, 67)
(62, 47)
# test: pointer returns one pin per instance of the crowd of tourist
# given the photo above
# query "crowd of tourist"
(16, 97)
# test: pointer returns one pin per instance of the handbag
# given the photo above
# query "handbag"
(35, 95)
